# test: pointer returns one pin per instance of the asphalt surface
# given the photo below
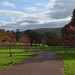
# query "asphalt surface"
(44, 63)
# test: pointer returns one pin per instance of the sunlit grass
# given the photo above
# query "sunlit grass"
(18, 55)
(67, 54)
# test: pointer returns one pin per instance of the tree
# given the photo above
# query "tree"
(32, 35)
(73, 19)
(68, 32)
(40, 37)
(10, 40)
(28, 32)
(43, 41)
(34, 42)
(0, 37)
(24, 41)
(51, 38)
(54, 40)
(17, 35)
(69, 35)
(60, 41)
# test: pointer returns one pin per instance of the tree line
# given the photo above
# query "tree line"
(51, 39)
(48, 38)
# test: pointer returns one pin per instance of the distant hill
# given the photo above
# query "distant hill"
(42, 30)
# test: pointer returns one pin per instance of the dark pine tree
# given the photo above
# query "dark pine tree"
(68, 32)
(73, 18)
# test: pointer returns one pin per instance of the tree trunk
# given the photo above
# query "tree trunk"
(10, 51)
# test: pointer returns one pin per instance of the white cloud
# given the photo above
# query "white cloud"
(59, 14)
(31, 9)
(51, 4)
(7, 4)
(62, 20)
(15, 14)
(24, 24)
(31, 21)
(2, 23)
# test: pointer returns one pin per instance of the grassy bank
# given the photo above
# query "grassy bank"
(67, 54)
(18, 55)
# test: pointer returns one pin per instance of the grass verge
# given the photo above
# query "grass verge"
(18, 55)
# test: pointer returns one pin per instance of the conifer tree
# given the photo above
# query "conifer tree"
(68, 32)
(73, 18)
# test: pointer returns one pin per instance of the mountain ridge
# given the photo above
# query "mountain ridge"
(43, 30)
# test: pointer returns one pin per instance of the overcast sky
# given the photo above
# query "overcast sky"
(33, 14)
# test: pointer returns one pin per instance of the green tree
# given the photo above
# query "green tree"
(73, 19)
(32, 35)
(0, 37)
(17, 35)
(51, 38)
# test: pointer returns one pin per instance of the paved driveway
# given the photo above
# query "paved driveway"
(44, 63)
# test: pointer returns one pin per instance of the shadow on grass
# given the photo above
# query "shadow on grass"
(15, 52)
(68, 56)
(7, 64)
(24, 55)
(40, 58)
(56, 57)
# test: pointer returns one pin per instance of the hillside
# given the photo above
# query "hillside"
(42, 30)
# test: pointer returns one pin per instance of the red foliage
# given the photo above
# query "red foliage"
(43, 41)
(25, 41)
(72, 27)
(69, 39)
(54, 41)
(9, 38)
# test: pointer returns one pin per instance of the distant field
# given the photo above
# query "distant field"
(18, 55)
(67, 54)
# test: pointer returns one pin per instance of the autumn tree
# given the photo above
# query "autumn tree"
(51, 39)
(68, 32)
(10, 40)
(28, 32)
(25, 41)
(43, 41)
(54, 40)
(32, 35)
(69, 35)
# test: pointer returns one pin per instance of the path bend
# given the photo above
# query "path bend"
(44, 63)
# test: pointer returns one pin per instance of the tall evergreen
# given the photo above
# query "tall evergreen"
(73, 18)
(68, 32)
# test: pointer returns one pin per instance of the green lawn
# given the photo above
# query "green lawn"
(67, 54)
(18, 55)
